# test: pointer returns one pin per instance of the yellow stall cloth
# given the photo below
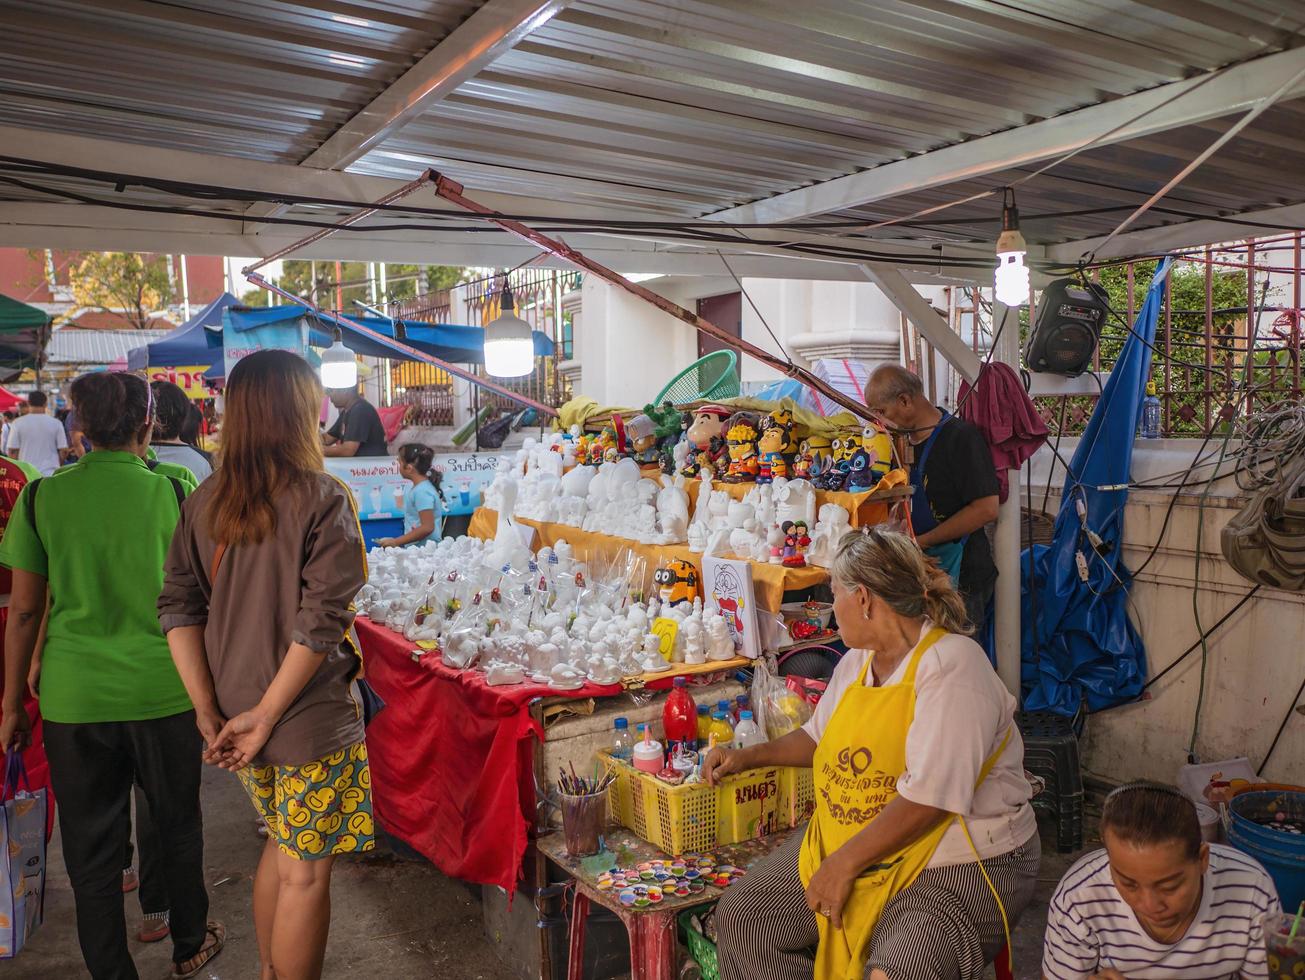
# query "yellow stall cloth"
(769, 581)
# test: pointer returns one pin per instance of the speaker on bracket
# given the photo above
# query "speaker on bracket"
(1070, 317)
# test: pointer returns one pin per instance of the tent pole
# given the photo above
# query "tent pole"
(1006, 538)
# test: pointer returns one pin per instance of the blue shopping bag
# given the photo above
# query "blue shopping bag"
(22, 858)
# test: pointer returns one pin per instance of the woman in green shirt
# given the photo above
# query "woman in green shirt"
(92, 538)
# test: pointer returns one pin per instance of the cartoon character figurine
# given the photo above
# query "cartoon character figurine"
(802, 464)
(775, 444)
(742, 438)
(796, 543)
(677, 582)
(859, 475)
(879, 445)
(642, 433)
(707, 433)
(844, 448)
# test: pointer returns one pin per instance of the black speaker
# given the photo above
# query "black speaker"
(1070, 317)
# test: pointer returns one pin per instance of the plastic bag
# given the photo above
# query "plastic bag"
(781, 710)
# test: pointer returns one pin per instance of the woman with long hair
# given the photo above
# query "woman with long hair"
(256, 604)
(424, 503)
(923, 849)
(92, 538)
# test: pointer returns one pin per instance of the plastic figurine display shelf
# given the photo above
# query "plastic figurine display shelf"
(770, 581)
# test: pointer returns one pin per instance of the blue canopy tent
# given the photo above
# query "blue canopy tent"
(451, 342)
(1078, 644)
(198, 341)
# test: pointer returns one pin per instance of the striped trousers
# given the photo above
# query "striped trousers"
(944, 926)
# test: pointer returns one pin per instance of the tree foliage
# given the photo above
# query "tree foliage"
(297, 276)
(134, 284)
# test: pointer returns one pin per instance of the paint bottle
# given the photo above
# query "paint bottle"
(746, 732)
(680, 717)
(648, 755)
(742, 703)
(721, 728)
(704, 724)
(622, 740)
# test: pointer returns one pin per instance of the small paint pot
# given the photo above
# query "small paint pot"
(682, 889)
(649, 875)
(727, 869)
(642, 901)
(678, 869)
(627, 897)
(605, 883)
(654, 894)
(692, 874)
(697, 887)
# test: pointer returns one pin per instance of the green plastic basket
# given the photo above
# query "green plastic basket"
(701, 949)
(706, 379)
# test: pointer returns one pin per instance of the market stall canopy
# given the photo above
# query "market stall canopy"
(24, 332)
(8, 399)
(448, 341)
(196, 342)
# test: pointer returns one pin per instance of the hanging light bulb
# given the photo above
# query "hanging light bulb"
(339, 366)
(509, 342)
(1011, 283)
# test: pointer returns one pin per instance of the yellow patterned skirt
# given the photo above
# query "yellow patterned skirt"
(318, 809)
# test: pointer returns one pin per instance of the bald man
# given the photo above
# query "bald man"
(955, 483)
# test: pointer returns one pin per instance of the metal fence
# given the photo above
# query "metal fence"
(1205, 335)
(425, 388)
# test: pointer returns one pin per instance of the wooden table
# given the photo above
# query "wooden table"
(652, 930)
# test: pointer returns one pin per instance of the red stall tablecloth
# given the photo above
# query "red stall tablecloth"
(451, 763)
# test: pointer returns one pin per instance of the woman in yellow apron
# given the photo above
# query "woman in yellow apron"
(923, 849)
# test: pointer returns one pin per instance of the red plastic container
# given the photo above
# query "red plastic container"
(680, 716)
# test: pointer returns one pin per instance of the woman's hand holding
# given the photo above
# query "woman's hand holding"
(210, 723)
(719, 764)
(240, 740)
(385, 542)
(15, 729)
(829, 889)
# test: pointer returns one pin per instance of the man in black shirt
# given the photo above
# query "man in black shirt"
(358, 430)
(956, 491)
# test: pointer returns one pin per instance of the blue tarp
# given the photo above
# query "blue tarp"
(447, 341)
(1078, 644)
(198, 341)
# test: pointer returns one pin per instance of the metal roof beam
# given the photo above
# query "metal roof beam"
(1186, 234)
(496, 27)
(1198, 99)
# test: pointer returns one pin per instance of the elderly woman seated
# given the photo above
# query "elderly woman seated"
(923, 850)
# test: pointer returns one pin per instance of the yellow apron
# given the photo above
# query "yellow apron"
(857, 763)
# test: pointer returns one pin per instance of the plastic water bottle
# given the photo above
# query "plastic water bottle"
(746, 732)
(623, 740)
(1150, 413)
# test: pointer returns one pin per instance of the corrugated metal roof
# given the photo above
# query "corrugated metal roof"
(672, 107)
(70, 347)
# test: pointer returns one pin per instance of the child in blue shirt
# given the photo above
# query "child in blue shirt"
(424, 504)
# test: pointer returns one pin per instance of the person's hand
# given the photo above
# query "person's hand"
(210, 723)
(34, 679)
(15, 728)
(385, 542)
(829, 889)
(240, 740)
(719, 764)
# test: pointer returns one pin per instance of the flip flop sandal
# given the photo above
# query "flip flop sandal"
(193, 966)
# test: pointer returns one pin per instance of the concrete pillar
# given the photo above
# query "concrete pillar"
(1006, 540)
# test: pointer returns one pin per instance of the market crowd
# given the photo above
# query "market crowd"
(167, 611)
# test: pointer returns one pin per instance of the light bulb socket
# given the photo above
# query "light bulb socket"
(506, 301)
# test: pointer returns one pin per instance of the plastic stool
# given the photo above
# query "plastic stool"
(1051, 753)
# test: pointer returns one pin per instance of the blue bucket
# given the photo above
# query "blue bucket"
(1282, 854)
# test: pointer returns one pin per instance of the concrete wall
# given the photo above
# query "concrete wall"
(1254, 667)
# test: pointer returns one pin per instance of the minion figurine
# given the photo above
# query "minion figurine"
(678, 581)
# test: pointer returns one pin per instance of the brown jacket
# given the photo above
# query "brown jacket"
(297, 586)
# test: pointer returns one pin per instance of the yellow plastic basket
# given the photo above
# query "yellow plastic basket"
(693, 818)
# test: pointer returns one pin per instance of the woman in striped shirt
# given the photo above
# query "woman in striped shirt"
(1158, 902)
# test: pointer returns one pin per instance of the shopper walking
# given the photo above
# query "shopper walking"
(93, 538)
(38, 438)
(267, 558)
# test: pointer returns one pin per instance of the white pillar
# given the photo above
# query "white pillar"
(1006, 540)
(185, 289)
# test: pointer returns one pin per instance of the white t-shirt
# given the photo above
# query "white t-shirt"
(962, 713)
(1090, 927)
(36, 438)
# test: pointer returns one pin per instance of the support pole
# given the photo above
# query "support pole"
(1006, 540)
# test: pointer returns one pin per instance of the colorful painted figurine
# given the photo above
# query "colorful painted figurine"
(774, 446)
(802, 463)
(677, 582)
(859, 475)
(844, 448)
(708, 426)
(742, 439)
(796, 543)
(642, 433)
(879, 445)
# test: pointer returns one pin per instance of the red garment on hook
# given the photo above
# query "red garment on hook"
(1001, 409)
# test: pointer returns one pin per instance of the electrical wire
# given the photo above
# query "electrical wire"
(1282, 727)
(1196, 644)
